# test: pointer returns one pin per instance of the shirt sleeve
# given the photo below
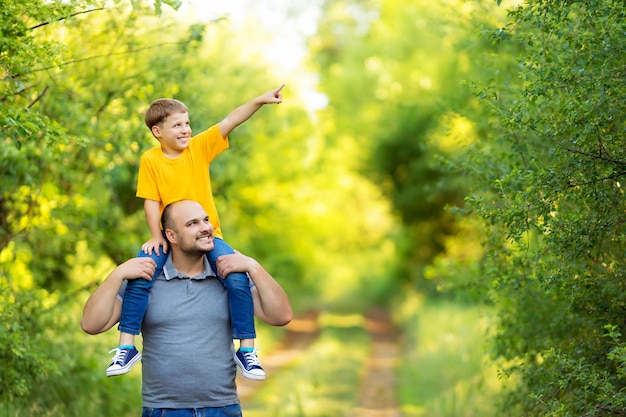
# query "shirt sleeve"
(211, 142)
(146, 180)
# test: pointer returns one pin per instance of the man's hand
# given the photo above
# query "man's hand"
(103, 308)
(236, 262)
(271, 303)
(137, 268)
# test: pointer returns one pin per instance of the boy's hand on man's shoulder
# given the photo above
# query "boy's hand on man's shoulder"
(153, 245)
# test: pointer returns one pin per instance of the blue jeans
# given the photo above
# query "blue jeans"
(137, 293)
(239, 296)
(233, 410)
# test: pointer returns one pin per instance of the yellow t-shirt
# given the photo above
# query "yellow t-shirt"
(184, 178)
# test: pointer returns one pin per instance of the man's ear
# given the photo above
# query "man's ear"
(170, 236)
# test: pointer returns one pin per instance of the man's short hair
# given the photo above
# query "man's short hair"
(167, 222)
(161, 108)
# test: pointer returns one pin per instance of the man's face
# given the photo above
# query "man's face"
(194, 232)
(174, 132)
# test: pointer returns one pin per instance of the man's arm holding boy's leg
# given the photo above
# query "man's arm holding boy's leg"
(102, 310)
(271, 303)
(245, 111)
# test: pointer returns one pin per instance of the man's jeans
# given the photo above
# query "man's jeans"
(227, 411)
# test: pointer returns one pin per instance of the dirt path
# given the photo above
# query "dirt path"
(378, 387)
(377, 394)
(301, 332)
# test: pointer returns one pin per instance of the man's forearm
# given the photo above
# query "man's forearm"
(100, 309)
(273, 304)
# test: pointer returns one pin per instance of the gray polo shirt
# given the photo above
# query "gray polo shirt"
(187, 345)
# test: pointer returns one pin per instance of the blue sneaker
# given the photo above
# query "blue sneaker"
(250, 365)
(123, 361)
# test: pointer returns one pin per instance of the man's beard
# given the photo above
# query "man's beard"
(194, 251)
(193, 248)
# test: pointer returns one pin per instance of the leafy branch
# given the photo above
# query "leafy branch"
(107, 55)
(594, 156)
(64, 18)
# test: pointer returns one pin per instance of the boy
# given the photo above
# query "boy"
(177, 170)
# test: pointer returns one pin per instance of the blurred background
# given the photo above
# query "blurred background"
(456, 165)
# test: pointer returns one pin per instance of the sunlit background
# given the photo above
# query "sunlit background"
(439, 193)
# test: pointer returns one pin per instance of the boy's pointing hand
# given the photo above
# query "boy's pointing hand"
(274, 96)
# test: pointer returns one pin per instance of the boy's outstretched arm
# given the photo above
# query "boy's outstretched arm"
(245, 111)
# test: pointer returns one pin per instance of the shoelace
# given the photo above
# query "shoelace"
(119, 356)
(251, 358)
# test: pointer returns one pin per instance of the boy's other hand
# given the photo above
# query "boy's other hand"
(153, 246)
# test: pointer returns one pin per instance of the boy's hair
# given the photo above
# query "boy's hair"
(161, 108)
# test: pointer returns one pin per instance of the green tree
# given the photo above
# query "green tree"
(542, 163)
(68, 183)
(51, 199)
(394, 72)
(554, 208)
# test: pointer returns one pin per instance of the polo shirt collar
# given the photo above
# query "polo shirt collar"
(170, 272)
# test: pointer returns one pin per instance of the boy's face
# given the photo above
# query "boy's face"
(174, 132)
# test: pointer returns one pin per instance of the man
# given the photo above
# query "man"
(187, 324)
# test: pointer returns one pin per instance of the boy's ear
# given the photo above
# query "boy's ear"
(156, 131)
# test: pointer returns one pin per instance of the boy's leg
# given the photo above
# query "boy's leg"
(133, 310)
(239, 295)
(241, 313)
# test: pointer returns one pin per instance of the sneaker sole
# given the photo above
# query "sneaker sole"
(247, 374)
(126, 369)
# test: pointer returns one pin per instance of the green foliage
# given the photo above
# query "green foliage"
(58, 192)
(541, 161)
(76, 78)
(538, 150)
(23, 342)
(553, 204)
(52, 363)
(393, 71)
(444, 371)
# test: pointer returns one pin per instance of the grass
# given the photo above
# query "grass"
(445, 371)
(322, 382)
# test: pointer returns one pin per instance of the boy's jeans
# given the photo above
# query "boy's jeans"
(237, 284)
(239, 295)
